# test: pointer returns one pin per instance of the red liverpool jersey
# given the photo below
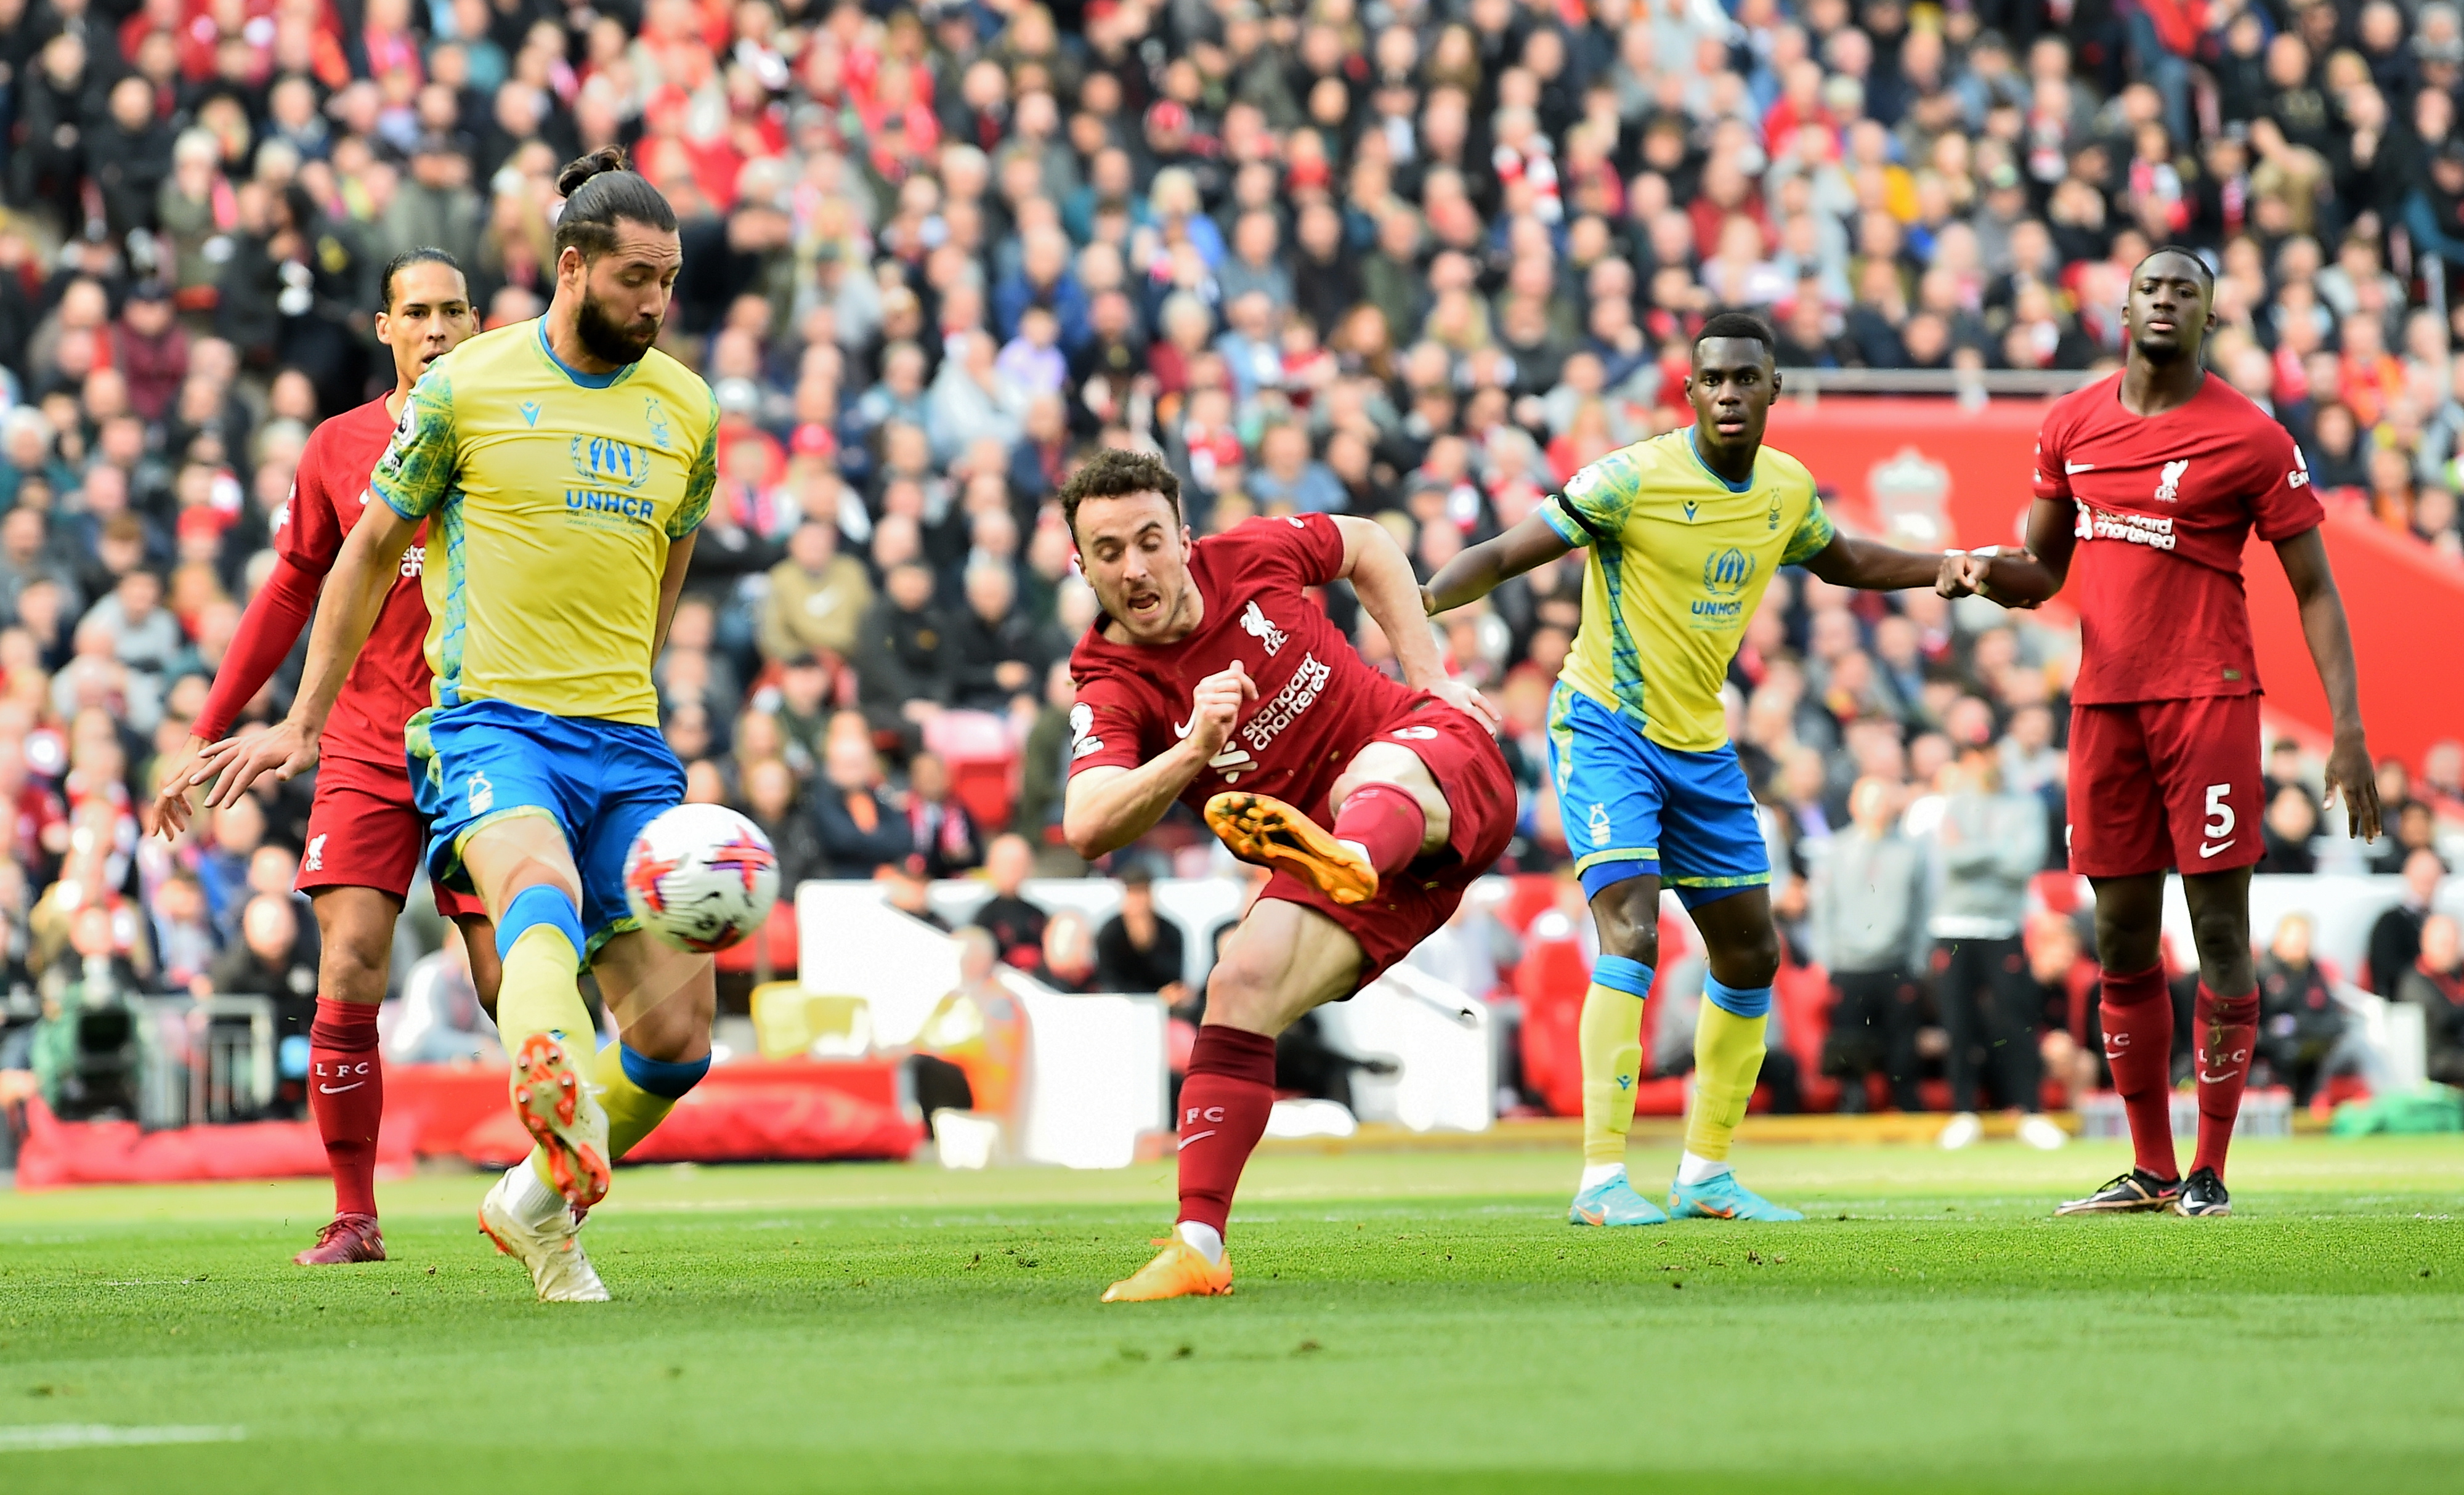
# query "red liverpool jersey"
(390, 681)
(1318, 703)
(2165, 505)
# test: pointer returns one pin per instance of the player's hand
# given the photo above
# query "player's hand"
(171, 802)
(283, 751)
(1215, 706)
(1962, 575)
(1459, 695)
(2349, 775)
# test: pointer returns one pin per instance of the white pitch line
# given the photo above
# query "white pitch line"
(50, 1436)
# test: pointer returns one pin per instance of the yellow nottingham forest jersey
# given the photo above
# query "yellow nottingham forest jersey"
(555, 496)
(1679, 563)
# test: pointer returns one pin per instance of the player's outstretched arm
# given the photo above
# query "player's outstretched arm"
(1482, 569)
(2304, 558)
(1107, 807)
(2022, 578)
(355, 594)
(280, 609)
(1381, 576)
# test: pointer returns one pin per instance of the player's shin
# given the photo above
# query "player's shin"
(1609, 1038)
(346, 1098)
(541, 940)
(1223, 1108)
(2138, 1015)
(1385, 823)
(2227, 1029)
(1727, 1059)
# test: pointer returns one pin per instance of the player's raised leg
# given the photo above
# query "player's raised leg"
(522, 865)
(1283, 960)
(1388, 811)
(1742, 949)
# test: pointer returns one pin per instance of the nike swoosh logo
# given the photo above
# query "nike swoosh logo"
(2206, 1078)
(2207, 850)
(1181, 729)
(2071, 468)
(337, 1089)
(1200, 1138)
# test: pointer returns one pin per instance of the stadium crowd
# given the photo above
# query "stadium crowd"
(1418, 259)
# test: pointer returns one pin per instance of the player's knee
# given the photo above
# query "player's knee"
(1627, 915)
(2222, 939)
(1240, 988)
(1751, 953)
(353, 967)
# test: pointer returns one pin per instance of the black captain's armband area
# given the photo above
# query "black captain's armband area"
(1568, 507)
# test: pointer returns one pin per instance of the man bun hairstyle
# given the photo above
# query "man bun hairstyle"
(1115, 474)
(1738, 324)
(598, 189)
(424, 254)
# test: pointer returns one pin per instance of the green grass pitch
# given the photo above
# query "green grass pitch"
(1404, 1323)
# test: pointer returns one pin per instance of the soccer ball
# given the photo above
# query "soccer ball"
(701, 877)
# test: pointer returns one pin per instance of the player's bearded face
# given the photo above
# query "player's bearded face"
(1136, 555)
(608, 336)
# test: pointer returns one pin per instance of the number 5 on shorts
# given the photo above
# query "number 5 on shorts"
(2220, 815)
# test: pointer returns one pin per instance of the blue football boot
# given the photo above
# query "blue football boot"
(1614, 1203)
(1724, 1198)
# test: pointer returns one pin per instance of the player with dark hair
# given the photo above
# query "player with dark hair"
(1211, 679)
(1684, 531)
(2148, 485)
(364, 829)
(568, 463)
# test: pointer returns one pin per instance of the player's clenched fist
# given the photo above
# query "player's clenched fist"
(1216, 705)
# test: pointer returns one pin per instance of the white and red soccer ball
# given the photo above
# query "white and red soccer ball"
(701, 877)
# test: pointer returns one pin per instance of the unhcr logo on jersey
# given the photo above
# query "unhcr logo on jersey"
(1725, 575)
(604, 459)
(614, 472)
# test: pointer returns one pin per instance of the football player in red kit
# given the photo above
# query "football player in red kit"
(363, 835)
(2148, 485)
(1211, 679)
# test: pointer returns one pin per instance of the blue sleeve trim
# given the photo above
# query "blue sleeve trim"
(1748, 1001)
(1570, 533)
(399, 512)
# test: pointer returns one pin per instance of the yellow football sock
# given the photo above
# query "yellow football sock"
(633, 1111)
(1609, 1037)
(1728, 1059)
(539, 994)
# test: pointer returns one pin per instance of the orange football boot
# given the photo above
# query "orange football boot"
(564, 1117)
(1265, 830)
(1179, 1270)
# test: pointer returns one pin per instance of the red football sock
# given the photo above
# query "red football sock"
(2139, 1049)
(347, 1096)
(2227, 1031)
(1223, 1107)
(1387, 821)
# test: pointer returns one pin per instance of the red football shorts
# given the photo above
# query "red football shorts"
(1414, 903)
(2159, 784)
(363, 832)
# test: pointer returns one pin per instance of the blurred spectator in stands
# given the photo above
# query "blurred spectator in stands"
(912, 896)
(943, 836)
(2301, 1027)
(969, 1051)
(771, 801)
(995, 653)
(1986, 849)
(804, 708)
(88, 1053)
(1139, 950)
(818, 597)
(2291, 822)
(906, 657)
(439, 1019)
(2415, 830)
(1067, 962)
(1015, 924)
(2435, 984)
(860, 830)
(2395, 939)
(1044, 772)
(183, 932)
(1869, 929)
(2065, 1002)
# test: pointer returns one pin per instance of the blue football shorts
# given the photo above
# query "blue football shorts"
(1632, 809)
(486, 760)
